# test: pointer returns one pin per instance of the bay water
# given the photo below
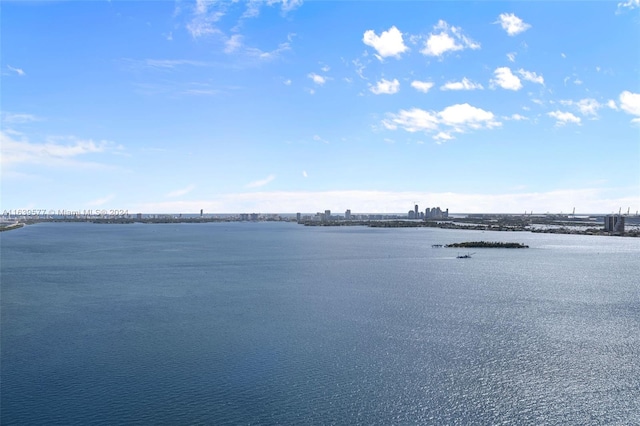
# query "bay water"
(277, 323)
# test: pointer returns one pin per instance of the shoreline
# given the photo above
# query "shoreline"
(511, 224)
(11, 227)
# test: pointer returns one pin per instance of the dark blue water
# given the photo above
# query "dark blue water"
(271, 323)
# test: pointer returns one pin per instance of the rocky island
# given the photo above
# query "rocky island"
(486, 244)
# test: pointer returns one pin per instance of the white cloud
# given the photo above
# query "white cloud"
(505, 79)
(531, 76)
(317, 79)
(50, 153)
(422, 86)
(304, 174)
(18, 71)
(465, 84)
(388, 43)
(518, 117)
(286, 5)
(443, 136)
(413, 120)
(261, 182)
(512, 24)
(629, 4)
(612, 104)
(587, 106)
(386, 87)
(181, 192)
(563, 118)
(287, 82)
(511, 56)
(317, 138)
(455, 118)
(164, 64)
(446, 38)
(202, 23)
(12, 118)
(233, 43)
(630, 103)
(266, 56)
(463, 116)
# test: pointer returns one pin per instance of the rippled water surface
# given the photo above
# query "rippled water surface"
(268, 323)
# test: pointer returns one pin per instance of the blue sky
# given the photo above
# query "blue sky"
(285, 106)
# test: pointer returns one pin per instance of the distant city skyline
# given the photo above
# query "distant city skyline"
(292, 106)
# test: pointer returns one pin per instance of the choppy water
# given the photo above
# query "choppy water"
(271, 323)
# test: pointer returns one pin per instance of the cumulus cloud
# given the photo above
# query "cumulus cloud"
(465, 84)
(630, 103)
(462, 116)
(512, 24)
(388, 43)
(386, 87)
(458, 118)
(531, 76)
(506, 79)
(563, 118)
(317, 79)
(587, 106)
(422, 86)
(447, 38)
(261, 182)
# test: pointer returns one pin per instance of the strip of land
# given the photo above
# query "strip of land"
(486, 244)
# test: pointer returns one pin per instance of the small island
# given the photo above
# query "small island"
(486, 244)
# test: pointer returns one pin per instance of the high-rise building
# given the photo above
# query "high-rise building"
(614, 223)
(347, 214)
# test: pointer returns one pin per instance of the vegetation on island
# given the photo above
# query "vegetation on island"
(486, 244)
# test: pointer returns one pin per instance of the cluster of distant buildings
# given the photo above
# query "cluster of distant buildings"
(429, 213)
(415, 214)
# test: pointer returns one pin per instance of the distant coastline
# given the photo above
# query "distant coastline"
(12, 226)
(552, 224)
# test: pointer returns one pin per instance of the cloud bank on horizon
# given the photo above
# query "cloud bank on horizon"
(177, 107)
